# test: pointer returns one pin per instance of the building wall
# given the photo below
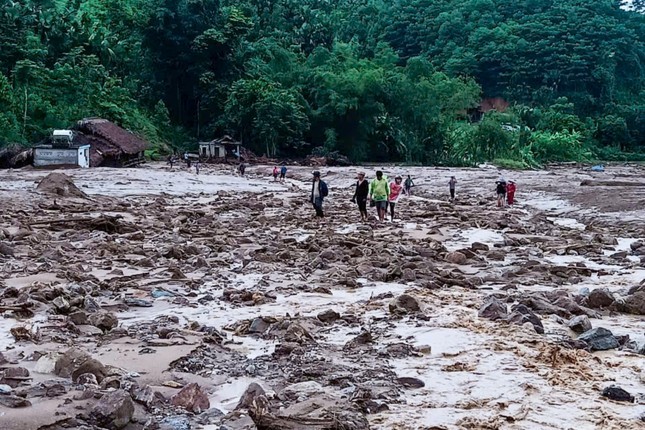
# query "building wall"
(84, 156)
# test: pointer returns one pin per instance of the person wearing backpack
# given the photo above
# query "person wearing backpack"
(319, 191)
(283, 173)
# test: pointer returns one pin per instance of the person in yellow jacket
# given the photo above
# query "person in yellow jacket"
(379, 192)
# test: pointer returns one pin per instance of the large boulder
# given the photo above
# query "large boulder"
(404, 304)
(580, 324)
(192, 398)
(493, 309)
(106, 321)
(632, 304)
(71, 360)
(599, 298)
(599, 339)
(522, 314)
(114, 410)
(456, 258)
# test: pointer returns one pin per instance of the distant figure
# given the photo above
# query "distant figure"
(319, 191)
(197, 166)
(408, 185)
(379, 192)
(360, 195)
(510, 192)
(452, 184)
(171, 160)
(283, 173)
(396, 189)
(501, 192)
(242, 168)
(275, 173)
(186, 159)
(598, 168)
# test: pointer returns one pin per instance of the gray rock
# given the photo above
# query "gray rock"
(259, 326)
(79, 317)
(114, 410)
(616, 393)
(90, 305)
(251, 393)
(6, 250)
(409, 382)
(632, 304)
(12, 401)
(192, 398)
(106, 321)
(478, 246)
(404, 304)
(521, 315)
(329, 316)
(61, 304)
(496, 255)
(599, 298)
(580, 324)
(455, 258)
(599, 339)
(493, 309)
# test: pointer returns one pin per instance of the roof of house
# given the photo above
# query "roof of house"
(225, 140)
(107, 137)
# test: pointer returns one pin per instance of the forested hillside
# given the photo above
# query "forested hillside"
(397, 80)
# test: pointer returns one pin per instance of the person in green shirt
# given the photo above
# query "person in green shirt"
(379, 192)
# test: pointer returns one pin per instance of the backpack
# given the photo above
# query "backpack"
(324, 191)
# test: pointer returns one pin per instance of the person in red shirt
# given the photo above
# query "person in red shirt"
(510, 192)
(395, 192)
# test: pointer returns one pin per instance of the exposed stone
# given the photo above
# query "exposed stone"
(301, 390)
(90, 366)
(6, 250)
(409, 382)
(632, 304)
(329, 316)
(252, 392)
(70, 361)
(61, 304)
(79, 317)
(90, 305)
(521, 315)
(12, 401)
(405, 303)
(495, 255)
(456, 258)
(106, 321)
(616, 393)
(580, 324)
(14, 376)
(114, 410)
(599, 339)
(493, 309)
(478, 246)
(599, 298)
(192, 398)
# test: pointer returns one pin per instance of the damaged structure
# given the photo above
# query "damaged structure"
(110, 145)
(220, 149)
(92, 142)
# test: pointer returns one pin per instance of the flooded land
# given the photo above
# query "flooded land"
(153, 298)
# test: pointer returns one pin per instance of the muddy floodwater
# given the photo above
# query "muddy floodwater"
(156, 298)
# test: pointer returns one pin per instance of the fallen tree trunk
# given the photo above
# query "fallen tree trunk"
(594, 183)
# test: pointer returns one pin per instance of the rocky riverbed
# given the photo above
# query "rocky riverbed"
(153, 298)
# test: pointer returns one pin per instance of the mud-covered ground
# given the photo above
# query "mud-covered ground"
(152, 298)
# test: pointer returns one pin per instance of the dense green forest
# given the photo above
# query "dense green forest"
(397, 80)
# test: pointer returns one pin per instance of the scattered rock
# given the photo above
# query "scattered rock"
(259, 326)
(599, 298)
(14, 376)
(599, 339)
(192, 398)
(301, 390)
(250, 395)
(493, 309)
(456, 258)
(616, 393)
(329, 316)
(404, 304)
(6, 250)
(632, 304)
(106, 321)
(496, 255)
(71, 360)
(521, 315)
(91, 366)
(12, 401)
(114, 410)
(59, 184)
(580, 324)
(409, 382)
(478, 246)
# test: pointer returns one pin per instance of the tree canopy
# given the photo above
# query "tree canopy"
(373, 79)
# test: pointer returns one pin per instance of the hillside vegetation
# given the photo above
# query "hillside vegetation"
(396, 80)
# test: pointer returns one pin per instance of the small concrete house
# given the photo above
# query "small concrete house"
(221, 149)
(62, 151)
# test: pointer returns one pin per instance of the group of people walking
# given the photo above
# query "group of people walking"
(382, 194)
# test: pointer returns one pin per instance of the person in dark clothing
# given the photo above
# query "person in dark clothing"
(242, 168)
(319, 191)
(360, 195)
(452, 184)
(283, 173)
(501, 192)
